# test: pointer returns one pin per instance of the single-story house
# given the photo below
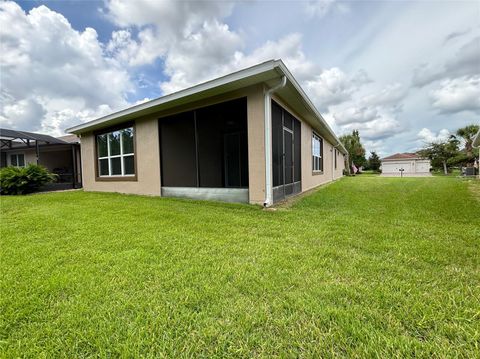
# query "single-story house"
(405, 164)
(250, 136)
(60, 155)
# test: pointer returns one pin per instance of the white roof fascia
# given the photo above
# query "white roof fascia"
(239, 75)
(224, 80)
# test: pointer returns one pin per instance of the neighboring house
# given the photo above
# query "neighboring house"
(59, 155)
(405, 164)
(251, 136)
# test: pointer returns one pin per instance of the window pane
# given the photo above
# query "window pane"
(114, 143)
(128, 165)
(102, 145)
(127, 140)
(116, 166)
(13, 160)
(103, 167)
(21, 160)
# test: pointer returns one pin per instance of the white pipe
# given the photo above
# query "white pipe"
(334, 155)
(268, 141)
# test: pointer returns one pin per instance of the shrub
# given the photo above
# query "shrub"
(15, 180)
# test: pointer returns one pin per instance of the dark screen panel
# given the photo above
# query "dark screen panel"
(288, 120)
(222, 144)
(232, 160)
(207, 147)
(288, 141)
(297, 150)
(177, 145)
(277, 144)
(210, 146)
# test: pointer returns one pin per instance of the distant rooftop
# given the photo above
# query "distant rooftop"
(402, 156)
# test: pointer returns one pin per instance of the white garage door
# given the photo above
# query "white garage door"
(394, 167)
(423, 166)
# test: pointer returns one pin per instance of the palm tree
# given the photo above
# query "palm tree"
(468, 133)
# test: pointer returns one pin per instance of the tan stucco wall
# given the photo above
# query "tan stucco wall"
(256, 145)
(148, 162)
(148, 153)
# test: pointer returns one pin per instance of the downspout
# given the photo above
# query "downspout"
(268, 141)
(334, 155)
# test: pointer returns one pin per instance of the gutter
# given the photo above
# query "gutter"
(268, 141)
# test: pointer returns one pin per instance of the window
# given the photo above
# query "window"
(115, 153)
(317, 153)
(336, 154)
(17, 160)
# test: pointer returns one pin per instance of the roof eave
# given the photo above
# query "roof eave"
(250, 72)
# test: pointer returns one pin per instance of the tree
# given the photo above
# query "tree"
(468, 133)
(441, 152)
(355, 149)
(374, 161)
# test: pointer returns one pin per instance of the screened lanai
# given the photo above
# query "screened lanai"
(59, 155)
(204, 152)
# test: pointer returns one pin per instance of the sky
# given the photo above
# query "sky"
(403, 73)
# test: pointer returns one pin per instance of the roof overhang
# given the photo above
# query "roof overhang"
(401, 159)
(267, 73)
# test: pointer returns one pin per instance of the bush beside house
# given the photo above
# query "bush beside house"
(22, 180)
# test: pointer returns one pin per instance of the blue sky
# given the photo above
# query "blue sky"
(401, 72)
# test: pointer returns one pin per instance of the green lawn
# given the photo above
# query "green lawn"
(367, 266)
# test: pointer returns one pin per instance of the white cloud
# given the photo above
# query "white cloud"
(320, 8)
(51, 73)
(382, 127)
(425, 135)
(355, 115)
(208, 53)
(457, 95)
(374, 114)
(216, 51)
(390, 95)
(333, 86)
(172, 17)
(22, 114)
(465, 62)
(162, 26)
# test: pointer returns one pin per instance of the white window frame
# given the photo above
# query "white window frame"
(317, 137)
(16, 155)
(108, 157)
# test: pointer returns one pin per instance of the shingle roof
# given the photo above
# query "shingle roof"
(402, 156)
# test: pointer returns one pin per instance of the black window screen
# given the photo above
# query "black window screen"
(215, 147)
(297, 151)
(286, 147)
(178, 154)
(277, 144)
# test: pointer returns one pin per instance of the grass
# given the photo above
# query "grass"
(367, 266)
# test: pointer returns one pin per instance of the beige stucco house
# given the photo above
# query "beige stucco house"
(251, 136)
